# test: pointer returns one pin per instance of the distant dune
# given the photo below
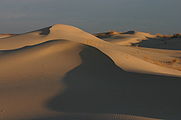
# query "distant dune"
(63, 72)
(141, 39)
(6, 35)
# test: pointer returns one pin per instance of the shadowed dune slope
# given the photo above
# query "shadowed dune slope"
(99, 86)
(31, 77)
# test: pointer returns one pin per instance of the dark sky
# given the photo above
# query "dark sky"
(155, 16)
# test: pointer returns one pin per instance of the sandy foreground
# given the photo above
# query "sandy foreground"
(64, 73)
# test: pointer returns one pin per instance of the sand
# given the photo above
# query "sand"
(63, 72)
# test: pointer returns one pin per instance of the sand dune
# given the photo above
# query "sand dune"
(165, 63)
(141, 39)
(6, 35)
(125, 38)
(62, 72)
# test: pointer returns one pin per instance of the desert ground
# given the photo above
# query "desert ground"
(61, 72)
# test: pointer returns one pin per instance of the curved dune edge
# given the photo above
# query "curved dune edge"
(24, 93)
(170, 61)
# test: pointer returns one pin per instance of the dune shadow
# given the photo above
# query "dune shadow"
(99, 86)
(159, 43)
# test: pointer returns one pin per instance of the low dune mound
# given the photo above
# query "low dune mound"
(178, 35)
(107, 34)
(6, 35)
(141, 39)
(125, 38)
